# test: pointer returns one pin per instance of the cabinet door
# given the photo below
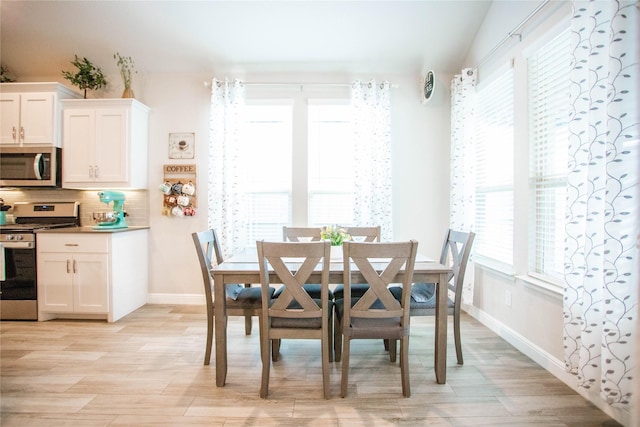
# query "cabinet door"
(36, 118)
(91, 283)
(112, 145)
(78, 152)
(9, 118)
(55, 282)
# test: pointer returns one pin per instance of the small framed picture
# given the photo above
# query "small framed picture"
(182, 145)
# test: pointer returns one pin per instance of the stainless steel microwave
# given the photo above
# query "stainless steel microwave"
(30, 166)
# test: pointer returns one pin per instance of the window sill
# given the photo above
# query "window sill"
(541, 285)
(494, 266)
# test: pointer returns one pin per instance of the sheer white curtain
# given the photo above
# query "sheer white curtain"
(225, 201)
(372, 150)
(462, 202)
(601, 274)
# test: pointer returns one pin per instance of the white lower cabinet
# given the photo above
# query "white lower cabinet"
(91, 275)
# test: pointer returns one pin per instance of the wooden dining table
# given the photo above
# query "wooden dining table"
(243, 268)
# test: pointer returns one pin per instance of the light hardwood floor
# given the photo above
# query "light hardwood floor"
(147, 369)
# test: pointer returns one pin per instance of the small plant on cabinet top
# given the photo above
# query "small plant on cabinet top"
(4, 75)
(125, 63)
(88, 76)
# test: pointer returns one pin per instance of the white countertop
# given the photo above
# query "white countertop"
(90, 229)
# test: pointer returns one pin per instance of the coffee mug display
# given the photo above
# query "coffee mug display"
(179, 198)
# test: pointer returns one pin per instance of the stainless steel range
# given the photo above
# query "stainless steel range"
(18, 281)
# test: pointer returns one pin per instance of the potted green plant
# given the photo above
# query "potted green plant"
(88, 76)
(125, 63)
(4, 75)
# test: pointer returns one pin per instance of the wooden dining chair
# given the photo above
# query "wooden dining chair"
(377, 314)
(364, 234)
(241, 300)
(301, 234)
(456, 249)
(358, 234)
(294, 314)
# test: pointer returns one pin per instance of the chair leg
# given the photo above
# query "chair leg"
(456, 336)
(330, 338)
(393, 350)
(404, 366)
(326, 350)
(247, 325)
(275, 350)
(344, 384)
(207, 350)
(266, 366)
(386, 344)
(337, 339)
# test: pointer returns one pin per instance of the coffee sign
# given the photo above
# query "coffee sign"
(171, 169)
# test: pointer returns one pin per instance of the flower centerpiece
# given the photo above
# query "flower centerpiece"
(335, 234)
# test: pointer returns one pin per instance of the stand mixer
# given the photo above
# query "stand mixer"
(115, 218)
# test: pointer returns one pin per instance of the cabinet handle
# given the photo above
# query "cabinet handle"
(90, 171)
(71, 244)
(22, 132)
(97, 171)
(13, 133)
(75, 267)
(68, 269)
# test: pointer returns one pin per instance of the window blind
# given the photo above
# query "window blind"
(548, 142)
(331, 154)
(265, 178)
(494, 169)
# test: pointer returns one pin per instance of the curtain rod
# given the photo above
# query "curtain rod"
(512, 33)
(300, 84)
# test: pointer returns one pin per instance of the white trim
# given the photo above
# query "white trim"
(547, 361)
(181, 299)
(544, 286)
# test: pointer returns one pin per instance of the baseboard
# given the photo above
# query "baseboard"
(181, 299)
(548, 362)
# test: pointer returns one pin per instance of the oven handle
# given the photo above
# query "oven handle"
(36, 166)
(3, 273)
(18, 245)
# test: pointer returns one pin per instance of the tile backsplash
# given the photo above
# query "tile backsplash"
(136, 204)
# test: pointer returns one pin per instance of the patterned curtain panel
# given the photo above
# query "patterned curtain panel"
(372, 151)
(601, 271)
(225, 200)
(463, 161)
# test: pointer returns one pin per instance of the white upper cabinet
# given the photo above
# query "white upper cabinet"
(30, 113)
(104, 143)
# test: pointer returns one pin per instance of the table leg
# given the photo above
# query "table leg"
(441, 330)
(220, 329)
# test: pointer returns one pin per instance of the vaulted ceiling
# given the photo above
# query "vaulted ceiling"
(41, 37)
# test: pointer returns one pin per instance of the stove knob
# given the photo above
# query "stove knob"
(9, 237)
(19, 237)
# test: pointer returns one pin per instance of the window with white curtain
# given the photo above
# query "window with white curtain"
(331, 177)
(265, 175)
(548, 89)
(494, 170)
(267, 156)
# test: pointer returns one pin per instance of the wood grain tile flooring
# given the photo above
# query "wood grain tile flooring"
(147, 369)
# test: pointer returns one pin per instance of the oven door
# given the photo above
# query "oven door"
(18, 285)
(30, 167)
